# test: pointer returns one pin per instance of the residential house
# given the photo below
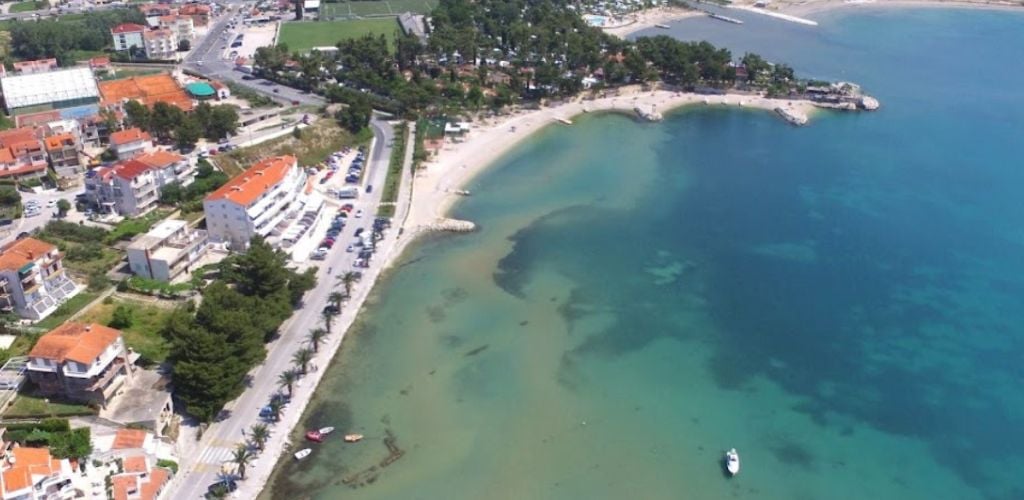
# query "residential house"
(128, 187)
(36, 66)
(63, 151)
(80, 362)
(161, 44)
(21, 154)
(167, 251)
(199, 13)
(141, 479)
(130, 143)
(223, 92)
(255, 202)
(169, 167)
(33, 474)
(182, 26)
(128, 35)
(94, 130)
(100, 65)
(32, 278)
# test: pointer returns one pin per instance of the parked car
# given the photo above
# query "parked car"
(359, 213)
(221, 489)
(332, 309)
(369, 188)
(358, 232)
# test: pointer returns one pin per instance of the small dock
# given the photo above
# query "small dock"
(662, 26)
(727, 19)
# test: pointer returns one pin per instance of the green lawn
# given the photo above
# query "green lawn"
(144, 333)
(67, 309)
(302, 36)
(28, 6)
(375, 8)
(27, 406)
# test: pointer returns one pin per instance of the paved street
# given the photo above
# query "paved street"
(29, 224)
(201, 468)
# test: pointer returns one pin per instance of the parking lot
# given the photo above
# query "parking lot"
(242, 41)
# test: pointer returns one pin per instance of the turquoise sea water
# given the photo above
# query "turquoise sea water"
(843, 303)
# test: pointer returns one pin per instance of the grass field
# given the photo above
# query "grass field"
(318, 141)
(341, 10)
(28, 6)
(144, 333)
(303, 36)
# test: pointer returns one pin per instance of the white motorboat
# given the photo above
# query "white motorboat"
(353, 438)
(732, 462)
(299, 455)
(325, 430)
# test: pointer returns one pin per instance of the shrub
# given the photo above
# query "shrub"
(122, 318)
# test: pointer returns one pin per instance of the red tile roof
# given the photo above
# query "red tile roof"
(25, 463)
(18, 253)
(159, 158)
(128, 136)
(130, 169)
(247, 187)
(127, 28)
(135, 463)
(59, 141)
(129, 438)
(75, 341)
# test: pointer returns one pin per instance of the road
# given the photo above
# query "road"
(29, 224)
(202, 468)
(207, 60)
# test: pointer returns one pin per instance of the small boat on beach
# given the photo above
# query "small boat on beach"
(325, 430)
(732, 462)
(314, 436)
(353, 438)
(299, 455)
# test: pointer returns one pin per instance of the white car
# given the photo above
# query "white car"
(51, 203)
(359, 213)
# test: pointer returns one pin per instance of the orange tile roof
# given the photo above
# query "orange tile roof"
(75, 341)
(6, 156)
(130, 169)
(148, 89)
(157, 479)
(159, 158)
(123, 484)
(127, 28)
(22, 169)
(99, 61)
(135, 463)
(129, 135)
(18, 253)
(28, 461)
(129, 438)
(255, 181)
(20, 135)
(57, 141)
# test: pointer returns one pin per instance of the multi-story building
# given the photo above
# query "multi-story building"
(127, 36)
(161, 44)
(36, 66)
(255, 202)
(199, 13)
(182, 26)
(128, 188)
(32, 278)
(21, 154)
(169, 167)
(63, 151)
(80, 362)
(130, 143)
(141, 479)
(33, 474)
(168, 250)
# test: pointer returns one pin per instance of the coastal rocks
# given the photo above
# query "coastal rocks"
(651, 116)
(792, 116)
(869, 103)
(451, 226)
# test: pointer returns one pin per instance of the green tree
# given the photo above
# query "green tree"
(328, 318)
(336, 298)
(348, 280)
(223, 122)
(301, 358)
(123, 317)
(137, 115)
(287, 379)
(187, 133)
(241, 457)
(9, 196)
(171, 194)
(276, 405)
(75, 444)
(355, 116)
(63, 207)
(258, 435)
(164, 119)
(315, 337)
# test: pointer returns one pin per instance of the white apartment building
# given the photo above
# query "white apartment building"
(34, 474)
(161, 44)
(169, 167)
(80, 362)
(128, 188)
(32, 279)
(256, 202)
(168, 250)
(182, 26)
(130, 143)
(127, 36)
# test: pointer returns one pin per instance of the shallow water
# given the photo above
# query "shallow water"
(843, 303)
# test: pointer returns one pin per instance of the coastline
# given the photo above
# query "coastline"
(650, 18)
(434, 194)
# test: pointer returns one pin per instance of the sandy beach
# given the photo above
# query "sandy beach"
(457, 163)
(648, 18)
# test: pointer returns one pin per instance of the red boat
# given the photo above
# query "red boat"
(315, 436)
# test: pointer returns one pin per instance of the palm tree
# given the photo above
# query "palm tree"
(287, 378)
(335, 298)
(316, 337)
(302, 357)
(258, 436)
(241, 458)
(347, 280)
(328, 317)
(275, 409)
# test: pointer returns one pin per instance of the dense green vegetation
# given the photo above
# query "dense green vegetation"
(141, 324)
(10, 202)
(29, 6)
(55, 433)
(133, 226)
(83, 248)
(394, 178)
(59, 37)
(190, 198)
(214, 346)
(165, 121)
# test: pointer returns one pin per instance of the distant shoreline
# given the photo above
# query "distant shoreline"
(821, 6)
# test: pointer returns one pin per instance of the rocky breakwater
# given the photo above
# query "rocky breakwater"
(445, 224)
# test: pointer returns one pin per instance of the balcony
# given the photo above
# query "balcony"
(102, 381)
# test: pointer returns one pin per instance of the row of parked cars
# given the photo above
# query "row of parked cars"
(366, 241)
(337, 225)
